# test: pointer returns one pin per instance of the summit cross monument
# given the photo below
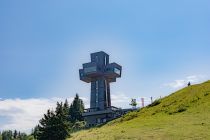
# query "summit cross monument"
(100, 73)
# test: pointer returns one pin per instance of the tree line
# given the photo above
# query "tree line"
(14, 135)
(56, 124)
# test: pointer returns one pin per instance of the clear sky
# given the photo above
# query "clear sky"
(161, 45)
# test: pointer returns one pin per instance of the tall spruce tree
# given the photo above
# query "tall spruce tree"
(54, 125)
(76, 110)
(57, 125)
(15, 134)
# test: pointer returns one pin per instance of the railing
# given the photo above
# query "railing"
(91, 109)
(98, 109)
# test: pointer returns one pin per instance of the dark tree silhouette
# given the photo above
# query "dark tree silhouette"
(54, 125)
(76, 110)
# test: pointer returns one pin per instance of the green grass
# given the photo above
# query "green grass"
(184, 114)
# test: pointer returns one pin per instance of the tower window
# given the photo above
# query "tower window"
(105, 60)
(116, 70)
(90, 69)
(96, 58)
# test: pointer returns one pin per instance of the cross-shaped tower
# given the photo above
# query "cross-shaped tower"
(100, 73)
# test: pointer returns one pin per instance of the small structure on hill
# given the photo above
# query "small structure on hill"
(100, 73)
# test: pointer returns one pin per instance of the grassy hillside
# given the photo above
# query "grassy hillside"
(184, 114)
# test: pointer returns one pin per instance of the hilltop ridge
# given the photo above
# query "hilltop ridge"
(184, 114)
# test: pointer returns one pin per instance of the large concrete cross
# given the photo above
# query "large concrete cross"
(100, 73)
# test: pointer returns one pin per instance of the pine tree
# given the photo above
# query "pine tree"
(57, 125)
(66, 108)
(54, 125)
(76, 109)
(36, 132)
(62, 120)
(15, 134)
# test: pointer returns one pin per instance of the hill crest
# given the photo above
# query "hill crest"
(182, 114)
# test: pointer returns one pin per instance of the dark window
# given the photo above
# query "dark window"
(96, 58)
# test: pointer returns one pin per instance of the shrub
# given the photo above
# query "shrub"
(207, 93)
(78, 125)
(181, 108)
(129, 116)
(156, 102)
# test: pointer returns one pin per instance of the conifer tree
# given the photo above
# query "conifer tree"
(76, 109)
(15, 134)
(57, 125)
(54, 125)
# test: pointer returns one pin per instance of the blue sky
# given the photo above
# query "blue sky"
(161, 45)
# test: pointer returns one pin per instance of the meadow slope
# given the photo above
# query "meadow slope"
(184, 114)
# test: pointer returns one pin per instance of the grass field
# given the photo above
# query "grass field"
(184, 114)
